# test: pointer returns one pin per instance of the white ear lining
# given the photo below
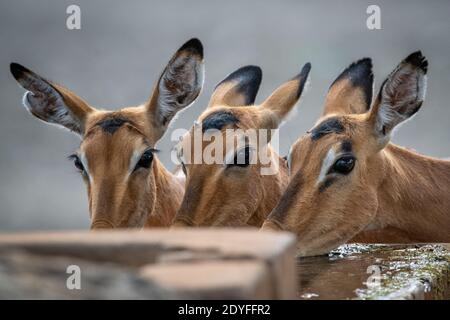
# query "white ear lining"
(61, 118)
(168, 105)
(25, 100)
(415, 91)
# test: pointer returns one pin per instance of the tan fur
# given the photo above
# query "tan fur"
(217, 195)
(344, 98)
(123, 192)
(393, 195)
(115, 198)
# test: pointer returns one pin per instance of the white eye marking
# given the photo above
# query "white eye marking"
(289, 160)
(327, 162)
(229, 158)
(181, 160)
(180, 154)
(84, 161)
(135, 157)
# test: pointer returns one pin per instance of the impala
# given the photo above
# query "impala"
(349, 183)
(127, 185)
(237, 193)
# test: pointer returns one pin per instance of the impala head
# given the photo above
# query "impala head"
(336, 168)
(236, 190)
(116, 155)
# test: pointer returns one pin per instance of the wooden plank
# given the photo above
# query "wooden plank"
(256, 264)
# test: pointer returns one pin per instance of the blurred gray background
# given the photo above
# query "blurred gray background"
(122, 46)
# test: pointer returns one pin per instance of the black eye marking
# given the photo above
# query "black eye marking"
(286, 161)
(111, 124)
(180, 156)
(346, 146)
(218, 120)
(330, 125)
(183, 167)
(343, 165)
(328, 182)
(146, 159)
(77, 162)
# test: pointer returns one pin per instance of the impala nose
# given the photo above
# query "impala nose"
(182, 221)
(101, 224)
(271, 225)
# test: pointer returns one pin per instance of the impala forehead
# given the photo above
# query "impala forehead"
(218, 130)
(218, 120)
(327, 126)
(105, 152)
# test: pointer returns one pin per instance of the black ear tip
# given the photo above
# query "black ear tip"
(17, 70)
(252, 74)
(193, 45)
(249, 74)
(305, 70)
(361, 67)
(302, 77)
(358, 72)
(365, 61)
(253, 71)
(418, 60)
(303, 73)
(246, 80)
(250, 69)
(365, 65)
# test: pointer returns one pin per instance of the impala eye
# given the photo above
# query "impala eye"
(344, 165)
(146, 159)
(77, 162)
(242, 158)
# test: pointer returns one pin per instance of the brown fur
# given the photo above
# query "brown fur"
(392, 195)
(217, 195)
(123, 194)
(115, 199)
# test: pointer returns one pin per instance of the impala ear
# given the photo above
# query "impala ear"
(50, 102)
(238, 89)
(351, 92)
(179, 84)
(401, 94)
(284, 98)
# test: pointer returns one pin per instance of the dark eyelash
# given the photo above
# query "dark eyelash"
(235, 160)
(72, 157)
